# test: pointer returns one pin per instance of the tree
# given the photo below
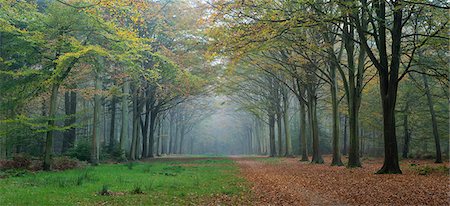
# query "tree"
(388, 65)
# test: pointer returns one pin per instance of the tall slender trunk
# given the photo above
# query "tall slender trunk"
(51, 124)
(145, 129)
(287, 132)
(336, 161)
(279, 133)
(314, 124)
(303, 132)
(96, 120)
(158, 139)
(407, 133)
(272, 149)
(177, 136)
(112, 129)
(136, 118)
(182, 131)
(124, 135)
(70, 107)
(151, 146)
(171, 133)
(437, 140)
(344, 149)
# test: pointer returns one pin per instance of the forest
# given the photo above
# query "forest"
(224, 102)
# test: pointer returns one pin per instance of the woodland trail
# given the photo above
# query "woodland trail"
(286, 181)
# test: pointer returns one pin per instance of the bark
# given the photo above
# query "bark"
(124, 135)
(336, 161)
(145, 129)
(312, 111)
(70, 107)
(136, 118)
(151, 147)
(112, 129)
(407, 134)
(176, 135)
(171, 133)
(96, 121)
(287, 132)
(279, 133)
(182, 131)
(158, 140)
(390, 164)
(344, 149)
(353, 157)
(303, 132)
(51, 124)
(272, 152)
(437, 141)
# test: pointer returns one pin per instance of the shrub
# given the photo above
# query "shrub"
(118, 154)
(426, 170)
(81, 151)
(19, 161)
(13, 173)
(36, 165)
(65, 163)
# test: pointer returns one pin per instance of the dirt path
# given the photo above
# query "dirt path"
(290, 182)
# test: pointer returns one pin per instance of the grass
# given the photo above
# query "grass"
(139, 183)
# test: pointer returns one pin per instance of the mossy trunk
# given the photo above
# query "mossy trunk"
(48, 152)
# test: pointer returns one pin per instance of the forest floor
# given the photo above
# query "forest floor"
(253, 180)
(286, 181)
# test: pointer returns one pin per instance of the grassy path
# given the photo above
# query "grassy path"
(172, 181)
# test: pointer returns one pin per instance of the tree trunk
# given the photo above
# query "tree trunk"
(159, 140)
(303, 132)
(406, 132)
(177, 136)
(70, 107)
(145, 130)
(287, 131)
(437, 140)
(279, 133)
(182, 130)
(272, 152)
(96, 121)
(51, 124)
(112, 129)
(171, 133)
(151, 146)
(124, 135)
(136, 118)
(312, 110)
(344, 149)
(336, 161)
(390, 165)
(353, 157)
